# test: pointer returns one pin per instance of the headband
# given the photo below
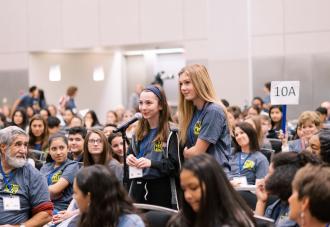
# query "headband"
(154, 89)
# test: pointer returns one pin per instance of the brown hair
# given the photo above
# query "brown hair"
(105, 155)
(313, 182)
(44, 135)
(71, 91)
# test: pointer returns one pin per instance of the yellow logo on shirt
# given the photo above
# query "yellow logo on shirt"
(248, 164)
(14, 188)
(158, 146)
(197, 128)
(56, 177)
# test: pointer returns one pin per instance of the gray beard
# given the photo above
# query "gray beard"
(13, 161)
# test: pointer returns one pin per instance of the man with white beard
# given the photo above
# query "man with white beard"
(24, 196)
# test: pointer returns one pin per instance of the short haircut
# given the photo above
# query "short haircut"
(9, 134)
(78, 130)
(309, 116)
(267, 85)
(32, 89)
(313, 182)
(322, 110)
(53, 122)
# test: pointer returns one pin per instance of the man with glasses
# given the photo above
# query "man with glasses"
(24, 196)
(76, 140)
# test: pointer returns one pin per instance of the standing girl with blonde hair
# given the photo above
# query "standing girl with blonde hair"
(203, 121)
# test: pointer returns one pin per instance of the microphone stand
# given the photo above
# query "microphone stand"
(125, 140)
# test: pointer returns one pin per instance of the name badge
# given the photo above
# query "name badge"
(241, 180)
(135, 172)
(11, 203)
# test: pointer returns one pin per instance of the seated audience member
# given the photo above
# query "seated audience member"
(282, 170)
(247, 163)
(323, 113)
(102, 200)
(3, 121)
(97, 151)
(111, 117)
(59, 172)
(20, 118)
(76, 139)
(209, 199)
(252, 111)
(310, 199)
(117, 146)
(255, 122)
(91, 120)
(275, 114)
(44, 113)
(309, 122)
(24, 197)
(108, 129)
(67, 117)
(53, 124)
(319, 144)
(257, 101)
(76, 121)
(38, 133)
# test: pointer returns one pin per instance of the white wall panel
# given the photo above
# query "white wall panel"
(195, 19)
(80, 23)
(11, 61)
(227, 29)
(266, 17)
(267, 46)
(307, 15)
(307, 43)
(13, 26)
(119, 22)
(44, 24)
(161, 20)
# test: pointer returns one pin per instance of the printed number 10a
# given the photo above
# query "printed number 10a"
(285, 91)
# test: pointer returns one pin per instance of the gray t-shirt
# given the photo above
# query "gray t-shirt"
(31, 188)
(67, 170)
(211, 125)
(117, 169)
(253, 166)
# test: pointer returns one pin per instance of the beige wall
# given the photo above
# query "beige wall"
(225, 35)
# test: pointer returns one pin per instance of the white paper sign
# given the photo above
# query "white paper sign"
(11, 203)
(284, 92)
(135, 172)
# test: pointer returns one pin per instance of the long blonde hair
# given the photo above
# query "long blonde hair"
(204, 89)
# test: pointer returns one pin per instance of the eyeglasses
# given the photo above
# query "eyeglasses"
(93, 141)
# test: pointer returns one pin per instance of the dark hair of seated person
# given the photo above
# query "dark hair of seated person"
(219, 204)
(109, 200)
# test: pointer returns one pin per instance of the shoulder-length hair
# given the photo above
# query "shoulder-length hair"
(108, 198)
(24, 116)
(204, 89)
(252, 135)
(105, 155)
(256, 120)
(275, 125)
(219, 204)
(94, 117)
(44, 136)
(143, 126)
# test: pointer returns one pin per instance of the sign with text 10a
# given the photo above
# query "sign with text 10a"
(284, 92)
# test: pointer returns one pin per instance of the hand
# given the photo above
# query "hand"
(187, 153)
(143, 163)
(61, 216)
(235, 183)
(131, 160)
(261, 192)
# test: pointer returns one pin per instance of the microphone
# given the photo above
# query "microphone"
(124, 126)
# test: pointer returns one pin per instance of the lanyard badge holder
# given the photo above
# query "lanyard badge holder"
(11, 202)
